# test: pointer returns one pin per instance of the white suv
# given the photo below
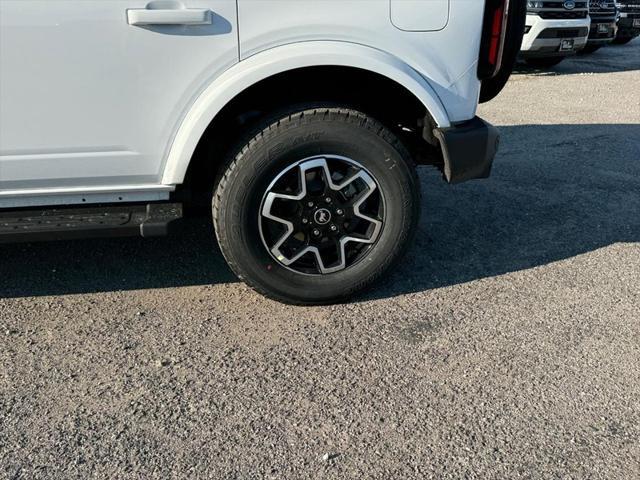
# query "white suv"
(554, 30)
(299, 122)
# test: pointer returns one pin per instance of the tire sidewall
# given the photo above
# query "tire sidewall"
(290, 142)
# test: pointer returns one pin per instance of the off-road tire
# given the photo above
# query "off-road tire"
(293, 136)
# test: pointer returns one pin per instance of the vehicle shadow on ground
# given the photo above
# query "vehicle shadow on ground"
(188, 257)
(610, 58)
(573, 192)
(556, 191)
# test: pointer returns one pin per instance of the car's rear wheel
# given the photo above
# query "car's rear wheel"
(317, 205)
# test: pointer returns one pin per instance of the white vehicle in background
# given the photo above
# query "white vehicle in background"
(604, 16)
(299, 124)
(628, 21)
(554, 30)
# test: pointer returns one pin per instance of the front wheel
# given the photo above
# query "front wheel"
(543, 62)
(318, 205)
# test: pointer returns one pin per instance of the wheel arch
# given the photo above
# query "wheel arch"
(262, 66)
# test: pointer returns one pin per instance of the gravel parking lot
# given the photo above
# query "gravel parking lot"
(506, 346)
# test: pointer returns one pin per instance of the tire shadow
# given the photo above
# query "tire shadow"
(574, 192)
(188, 257)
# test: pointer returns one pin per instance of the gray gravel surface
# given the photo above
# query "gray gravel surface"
(507, 345)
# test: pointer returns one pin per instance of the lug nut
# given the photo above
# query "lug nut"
(310, 204)
(316, 232)
(339, 211)
(305, 221)
(328, 199)
(333, 228)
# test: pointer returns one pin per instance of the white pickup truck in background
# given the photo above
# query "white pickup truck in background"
(554, 30)
(300, 122)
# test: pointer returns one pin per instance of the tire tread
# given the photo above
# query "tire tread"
(271, 127)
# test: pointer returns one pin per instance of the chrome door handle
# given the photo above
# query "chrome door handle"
(172, 16)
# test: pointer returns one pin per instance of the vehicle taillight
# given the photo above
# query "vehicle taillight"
(493, 37)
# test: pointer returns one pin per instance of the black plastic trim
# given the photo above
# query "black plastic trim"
(564, 32)
(61, 223)
(468, 149)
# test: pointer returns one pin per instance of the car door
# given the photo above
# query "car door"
(92, 92)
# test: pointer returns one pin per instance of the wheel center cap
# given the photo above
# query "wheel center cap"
(322, 216)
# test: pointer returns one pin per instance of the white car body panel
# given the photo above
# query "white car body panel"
(418, 15)
(90, 104)
(446, 58)
(88, 100)
(38, 197)
(282, 59)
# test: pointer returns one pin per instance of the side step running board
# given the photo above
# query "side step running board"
(147, 220)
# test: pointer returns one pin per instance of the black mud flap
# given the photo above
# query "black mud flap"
(468, 149)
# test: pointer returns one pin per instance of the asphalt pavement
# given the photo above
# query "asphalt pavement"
(507, 345)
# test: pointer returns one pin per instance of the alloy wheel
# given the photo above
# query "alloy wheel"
(321, 215)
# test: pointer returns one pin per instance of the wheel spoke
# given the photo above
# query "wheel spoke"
(358, 203)
(318, 221)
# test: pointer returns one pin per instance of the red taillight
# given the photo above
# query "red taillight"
(496, 33)
(502, 32)
(493, 36)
